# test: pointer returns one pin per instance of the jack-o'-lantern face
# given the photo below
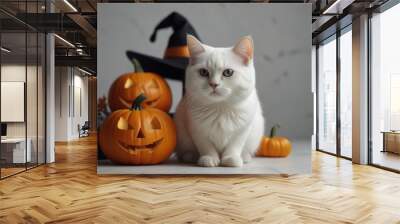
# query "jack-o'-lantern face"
(127, 87)
(138, 136)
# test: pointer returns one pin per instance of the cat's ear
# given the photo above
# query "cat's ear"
(245, 49)
(194, 45)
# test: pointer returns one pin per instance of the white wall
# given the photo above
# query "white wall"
(79, 117)
(12, 73)
(62, 81)
(70, 83)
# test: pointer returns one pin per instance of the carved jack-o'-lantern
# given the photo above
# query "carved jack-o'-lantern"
(127, 87)
(138, 136)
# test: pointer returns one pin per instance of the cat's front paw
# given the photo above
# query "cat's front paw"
(208, 161)
(246, 157)
(232, 161)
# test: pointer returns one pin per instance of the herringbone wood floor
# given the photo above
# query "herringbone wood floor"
(70, 191)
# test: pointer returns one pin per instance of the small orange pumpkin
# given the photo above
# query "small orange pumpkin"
(127, 87)
(138, 136)
(274, 146)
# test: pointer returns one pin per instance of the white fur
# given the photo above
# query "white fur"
(221, 126)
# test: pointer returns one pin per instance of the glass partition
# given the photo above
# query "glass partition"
(327, 95)
(31, 97)
(41, 96)
(22, 67)
(334, 94)
(385, 89)
(14, 155)
(346, 93)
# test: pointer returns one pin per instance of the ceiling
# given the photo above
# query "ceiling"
(76, 22)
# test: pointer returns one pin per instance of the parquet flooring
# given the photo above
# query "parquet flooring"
(7, 171)
(70, 191)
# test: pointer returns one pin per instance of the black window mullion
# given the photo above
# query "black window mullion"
(338, 91)
(37, 92)
(317, 96)
(369, 91)
(0, 98)
(26, 87)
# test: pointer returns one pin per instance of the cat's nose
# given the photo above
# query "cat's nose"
(213, 85)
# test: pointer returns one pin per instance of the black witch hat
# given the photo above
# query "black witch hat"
(176, 56)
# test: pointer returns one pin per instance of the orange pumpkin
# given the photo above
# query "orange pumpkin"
(138, 136)
(127, 87)
(274, 146)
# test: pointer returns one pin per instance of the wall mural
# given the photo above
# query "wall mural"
(201, 89)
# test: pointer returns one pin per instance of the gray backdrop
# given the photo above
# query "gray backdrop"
(282, 38)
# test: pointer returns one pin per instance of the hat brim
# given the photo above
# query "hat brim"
(168, 68)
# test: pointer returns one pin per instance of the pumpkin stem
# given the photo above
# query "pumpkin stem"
(137, 103)
(273, 130)
(137, 66)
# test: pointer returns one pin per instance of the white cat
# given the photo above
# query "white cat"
(219, 120)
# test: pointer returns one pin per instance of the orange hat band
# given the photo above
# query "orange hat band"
(177, 52)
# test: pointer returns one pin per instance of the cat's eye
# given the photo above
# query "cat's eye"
(227, 72)
(204, 72)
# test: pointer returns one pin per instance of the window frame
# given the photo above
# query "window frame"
(334, 37)
(381, 9)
